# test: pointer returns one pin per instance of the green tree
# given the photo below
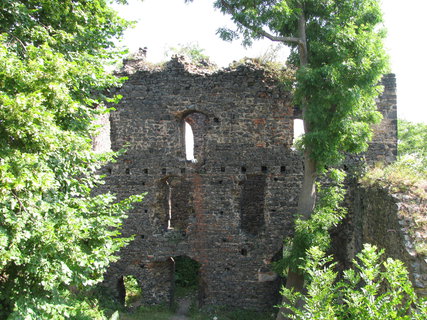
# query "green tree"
(56, 237)
(337, 46)
(190, 50)
(412, 142)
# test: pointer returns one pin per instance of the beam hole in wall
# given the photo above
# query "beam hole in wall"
(243, 169)
(145, 171)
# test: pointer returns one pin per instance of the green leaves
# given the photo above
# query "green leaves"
(373, 290)
(314, 232)
(54, 233)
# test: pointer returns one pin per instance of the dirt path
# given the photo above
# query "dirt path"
(183, 309)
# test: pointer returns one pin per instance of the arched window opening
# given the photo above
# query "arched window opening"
(189, 142)
(194, 128)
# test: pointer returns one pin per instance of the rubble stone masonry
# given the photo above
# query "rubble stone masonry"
(228, 209)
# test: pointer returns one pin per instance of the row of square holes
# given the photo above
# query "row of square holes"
(264, 169)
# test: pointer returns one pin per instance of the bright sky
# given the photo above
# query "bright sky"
(166, 23)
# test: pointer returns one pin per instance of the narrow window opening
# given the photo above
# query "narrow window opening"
(189, 142)
(127, 171)
(244, 252)
(264, 169)
(283, 169)
(169, 197)
(243, 169)
(298, 130)
(222, 169)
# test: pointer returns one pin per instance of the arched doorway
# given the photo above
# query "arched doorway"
(186, 278)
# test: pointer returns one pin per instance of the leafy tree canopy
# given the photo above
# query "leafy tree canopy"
(412, 140)
(56, 238)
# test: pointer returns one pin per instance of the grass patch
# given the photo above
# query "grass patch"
(403, 176)
(158, 312)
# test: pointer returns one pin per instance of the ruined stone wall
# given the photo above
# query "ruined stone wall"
(383, 147)
(230, 208)
(389, 222)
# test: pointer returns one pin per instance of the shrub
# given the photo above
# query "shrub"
(373, 290)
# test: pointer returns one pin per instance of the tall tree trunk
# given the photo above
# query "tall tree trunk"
(307, 196)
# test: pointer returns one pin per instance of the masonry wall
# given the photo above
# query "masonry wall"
(230, 208)
(389, 221)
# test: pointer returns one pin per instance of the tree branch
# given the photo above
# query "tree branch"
(278, 38)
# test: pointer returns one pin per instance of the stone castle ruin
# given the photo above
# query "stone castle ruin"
(227, 206)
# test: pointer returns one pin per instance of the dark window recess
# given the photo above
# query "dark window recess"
(222, 169)
(164, 171)
(252, 203)
(127, 171)
(145, 171)
(216, 120)
(282, 169)
(145, 210)
(142, 236)
(244, 252)
(264, 169)
(178, 203)
(243, 169)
